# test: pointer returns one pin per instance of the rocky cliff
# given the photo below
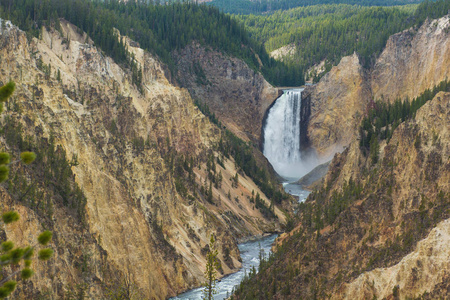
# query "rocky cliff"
(375, 229)
(126, 205)
(336, 106)
(413, 61)
(238, 95)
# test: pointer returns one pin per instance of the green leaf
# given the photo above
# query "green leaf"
(45, 237)
(6, 91)
(10, 285)
(26, 273)
(6, 246)
(27, 157)
(10, 216)
(4, 172)
(45, 254)
(28, 252)
(1, 107)
(4, 158)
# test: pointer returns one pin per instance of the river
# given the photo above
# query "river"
(250, 258)
(283, 150)
(296, 190)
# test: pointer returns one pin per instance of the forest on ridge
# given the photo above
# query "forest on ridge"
(329, 32)
(159, 29)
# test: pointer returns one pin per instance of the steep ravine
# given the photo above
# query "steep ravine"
(373, 229)
(126, 144)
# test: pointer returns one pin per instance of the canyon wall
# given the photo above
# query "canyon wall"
(337, 103)
(238, 95)
(127, 148)
(413, 60)
(373, 229)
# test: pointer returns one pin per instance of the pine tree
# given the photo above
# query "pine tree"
(374, 149)
(11, 257)
(212, 265)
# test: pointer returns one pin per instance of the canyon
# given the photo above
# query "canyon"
(126, 148)
(143, 177)
(376, 226)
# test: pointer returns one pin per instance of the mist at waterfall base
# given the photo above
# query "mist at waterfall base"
(282, 149)
(282, 138)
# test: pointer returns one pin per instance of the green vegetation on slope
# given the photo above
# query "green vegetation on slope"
(12, 256)
(330, 32)
(312, 23)
(343, 230)
(383, 118)
(46, 183)
(160, 29)
(230, 145)
(246, 7)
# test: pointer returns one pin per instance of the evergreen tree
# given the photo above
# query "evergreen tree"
(212, 265)
(159, 29)
(374, 149)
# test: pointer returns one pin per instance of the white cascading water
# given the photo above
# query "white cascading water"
(282, 135)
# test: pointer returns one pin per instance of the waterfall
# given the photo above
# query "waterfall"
(282, 135)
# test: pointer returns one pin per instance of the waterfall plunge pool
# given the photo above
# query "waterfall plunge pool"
(250, 258)
(282, 142)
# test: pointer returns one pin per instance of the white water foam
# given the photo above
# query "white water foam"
(282, 137)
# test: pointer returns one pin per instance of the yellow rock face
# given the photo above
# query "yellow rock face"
(337, 103)
(138, 226)
(413, 61)
(417, 176)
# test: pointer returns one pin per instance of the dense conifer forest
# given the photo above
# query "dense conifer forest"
(330, 32)
(245, 7)
(160, 29)
(320, 32)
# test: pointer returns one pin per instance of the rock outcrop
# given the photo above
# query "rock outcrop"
(313, 178)
(282, 52)
(140, 224)
(337, 103)
(421, 272)
(238, 95)
(413, 61)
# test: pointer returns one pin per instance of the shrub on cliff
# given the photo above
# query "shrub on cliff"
(16, 261)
